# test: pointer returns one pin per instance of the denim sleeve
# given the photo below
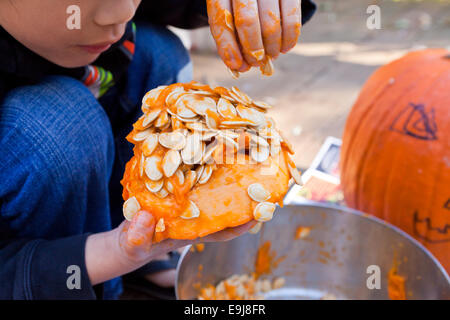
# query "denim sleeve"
(190, 14)
(40, 269)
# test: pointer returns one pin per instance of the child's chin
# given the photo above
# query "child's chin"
(77, 61)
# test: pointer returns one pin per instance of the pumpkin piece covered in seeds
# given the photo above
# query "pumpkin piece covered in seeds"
(205, 159)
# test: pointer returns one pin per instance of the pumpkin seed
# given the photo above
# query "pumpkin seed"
(258, 140)
(152, 96)
(251, 114)
(191, 178)
(182, 110)
(168, 185)
(212, 119)
(198, 173)
(130, 208)
(142, 135)
(150, 117)
(172, 140)
(263, 212)
(151, 168)
(173, 96)
(206, 174)
(164, 127)
(295, 175)
(197, 126)
(257, 192)
(259, 153)
(149, 145)
(193, 119)
(154, 186)
(202, 92)
(262, 104)
(235, 74)
(171, 162)
(193, 151)
(180, 176)
(162, 193)
(207, 157)
(267, 67)
(163, 119)
(226, 109)
(201, 105)
(242, 95)
(236, 123)
(176, 123)
(160, 226)
(191, 212)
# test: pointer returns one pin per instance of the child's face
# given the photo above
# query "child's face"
(41, 26)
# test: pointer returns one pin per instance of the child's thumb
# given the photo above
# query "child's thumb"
(141, 229)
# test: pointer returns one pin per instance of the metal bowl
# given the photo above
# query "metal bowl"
(332, 260)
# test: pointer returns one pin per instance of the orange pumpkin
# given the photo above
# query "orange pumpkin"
(395, 160)
(205, 159)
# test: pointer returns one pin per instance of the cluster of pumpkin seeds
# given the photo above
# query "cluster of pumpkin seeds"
(192, 125)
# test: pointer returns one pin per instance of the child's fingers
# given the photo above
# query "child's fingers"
(290, 23)
(246, 20)
(222, 27)
(269, 16)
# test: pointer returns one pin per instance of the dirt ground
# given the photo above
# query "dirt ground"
(315, 85)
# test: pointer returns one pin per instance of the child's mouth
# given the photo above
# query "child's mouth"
(99, 48)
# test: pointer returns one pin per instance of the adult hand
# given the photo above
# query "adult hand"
(253, 32)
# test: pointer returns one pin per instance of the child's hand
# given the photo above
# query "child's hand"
(128, 247)
(246, 31)
(136, 238)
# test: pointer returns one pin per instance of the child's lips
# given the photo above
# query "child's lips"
(97, 48)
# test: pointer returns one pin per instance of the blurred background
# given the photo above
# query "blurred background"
(314, 86)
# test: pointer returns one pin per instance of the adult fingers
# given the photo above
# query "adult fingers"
(269, 16)
(246, 20)
(222, 27)
(290, 23)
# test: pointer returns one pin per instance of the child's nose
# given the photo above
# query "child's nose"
(114, 12)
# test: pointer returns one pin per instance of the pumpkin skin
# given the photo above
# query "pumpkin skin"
(223, 200)
(395, 160)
